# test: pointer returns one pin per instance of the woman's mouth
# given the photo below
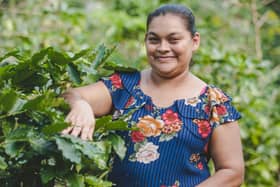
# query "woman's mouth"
(164, 58)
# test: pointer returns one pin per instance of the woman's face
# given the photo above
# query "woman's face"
(169, 45)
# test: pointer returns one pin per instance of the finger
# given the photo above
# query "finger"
(67, 130)
(90, 133)
(85, 131)
(76, 131)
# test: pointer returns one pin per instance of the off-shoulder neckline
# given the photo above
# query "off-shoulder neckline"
(147, 97)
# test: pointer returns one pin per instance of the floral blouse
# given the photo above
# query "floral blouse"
(170, 147)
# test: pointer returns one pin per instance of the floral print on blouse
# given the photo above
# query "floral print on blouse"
(170, 144)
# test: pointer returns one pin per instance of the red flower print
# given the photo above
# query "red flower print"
(137, 136)
(176, 127)
(200, 166)
(167, 129)
(116, 80)
(130, 101)
(195, 157)
(221, 110)
(204, 128)
(170, 117)
(207, 109)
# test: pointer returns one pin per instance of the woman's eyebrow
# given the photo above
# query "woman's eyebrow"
(171, 34)
(152, 33)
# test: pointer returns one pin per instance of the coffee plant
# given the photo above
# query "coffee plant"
(32, 114)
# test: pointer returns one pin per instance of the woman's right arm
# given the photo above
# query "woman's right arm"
(86, 102)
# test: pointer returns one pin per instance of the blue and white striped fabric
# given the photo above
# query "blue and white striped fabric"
(171, 146)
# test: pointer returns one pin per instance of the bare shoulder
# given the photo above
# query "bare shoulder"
(196, 84)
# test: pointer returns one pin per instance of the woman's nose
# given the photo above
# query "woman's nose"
(163, 46)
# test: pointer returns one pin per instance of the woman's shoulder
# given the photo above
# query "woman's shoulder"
(209, 91)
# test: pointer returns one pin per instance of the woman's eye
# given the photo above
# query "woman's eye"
(174, 40)
(153, 40)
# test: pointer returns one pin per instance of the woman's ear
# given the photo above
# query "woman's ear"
(196, 41)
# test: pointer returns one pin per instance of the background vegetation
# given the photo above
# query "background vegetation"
(240, 52)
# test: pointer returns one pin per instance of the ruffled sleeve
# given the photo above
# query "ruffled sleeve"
(120, 87)
(219, 107)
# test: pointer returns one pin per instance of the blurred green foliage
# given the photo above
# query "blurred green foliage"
(240, 52)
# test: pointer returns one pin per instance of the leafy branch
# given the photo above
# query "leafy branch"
(32, 113)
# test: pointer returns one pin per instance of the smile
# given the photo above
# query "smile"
(164, 58)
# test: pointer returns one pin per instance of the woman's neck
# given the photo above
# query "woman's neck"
(161, 81)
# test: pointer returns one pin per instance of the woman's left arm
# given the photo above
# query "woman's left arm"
(226, 152)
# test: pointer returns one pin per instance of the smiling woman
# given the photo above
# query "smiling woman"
(181, 120)
(170, 50)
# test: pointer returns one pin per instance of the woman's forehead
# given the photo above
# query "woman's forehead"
(167, 24)
(167, 21)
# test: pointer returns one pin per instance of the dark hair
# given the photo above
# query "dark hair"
(180, 10)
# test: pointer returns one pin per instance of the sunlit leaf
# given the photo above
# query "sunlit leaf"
(96, 182)
(118, 145)
(54, 128)
(68, 150)
(110, 65)
(3, 164)
(75, 180)
(73, 73)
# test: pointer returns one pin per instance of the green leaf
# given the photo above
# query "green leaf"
(75, 181)
(91, 149)
(22, 72)
(19, 134)
(43, 101)
(47, 174)
(102, 121)
(9, 54)
(96, 182)
(34, 103)
(118, 145)
(100, 56)
(13, 149)
(105, 123)
(81, 54)
(99, 152)
(38, 142)
(10, 102)
(38, 56)
(3, 164)
(58, 57)
(96, 151)
(117, 125)
(73, 73)
(68, 150)
(6, 127)
(54, 128)
(16, 141)
(110, 65)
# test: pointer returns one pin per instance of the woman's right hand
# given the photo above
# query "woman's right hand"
(81, 119)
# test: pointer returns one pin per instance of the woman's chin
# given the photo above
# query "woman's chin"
(166, 73)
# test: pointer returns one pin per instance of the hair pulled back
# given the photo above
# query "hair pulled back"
(180, 10)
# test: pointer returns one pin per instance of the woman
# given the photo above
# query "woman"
(182, 120)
